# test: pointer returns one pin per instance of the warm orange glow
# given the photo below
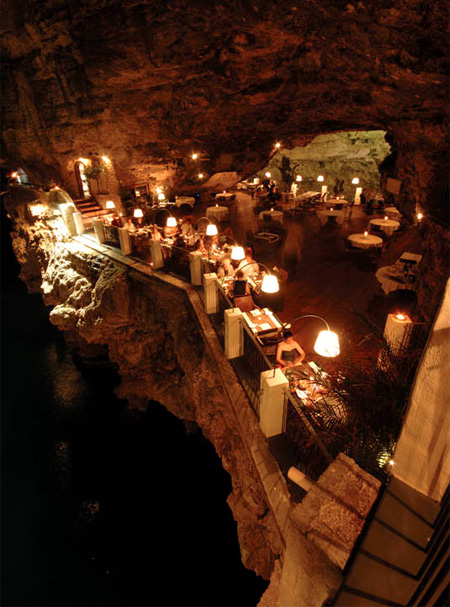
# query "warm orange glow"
(37, 210)
(271, 209)
(320, 178)
(194, 156)
(386, 218)
(268, 175)
(106, 159)
(55, 187)
(400, 317)
(84, 160)
(200, 175)
(138, 213)
(419, 216)
(278, 145)
(355, 180)
(366, 233)
(14, 175)
(217, 204)
(110, 204)
(331, 209)
(298, 178)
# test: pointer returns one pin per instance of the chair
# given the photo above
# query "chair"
(244, 303)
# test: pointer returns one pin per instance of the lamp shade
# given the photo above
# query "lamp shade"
(110, 204)
(237, 253)
(355, 180)
(171, 222)
(270, 284)
(327, 344)
(320, 178)
(211, 230)
(298, 178)
(161, 196)
(138, 213)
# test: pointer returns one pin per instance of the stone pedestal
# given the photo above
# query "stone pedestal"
(272, 416)
(156, 255)
(195, 264)
(211, 295)
(99, 231)
(397, 331)
(234, 340)
(358, 193)
(79, 225)
(125, 241)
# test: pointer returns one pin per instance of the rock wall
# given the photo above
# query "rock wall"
(153, 336)
(147, 83)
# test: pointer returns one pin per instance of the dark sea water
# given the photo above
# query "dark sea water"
(100, 505)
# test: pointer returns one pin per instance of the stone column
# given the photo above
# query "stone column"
(211, 294)
(234, 339)
(125, 241)
(324, 191)
(156, 254)
(358, 193)
(195, 263)
(99, 231)
(78, 219)
(272, 417)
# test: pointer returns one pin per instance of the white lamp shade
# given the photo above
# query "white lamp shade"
(171, 222)
(161, 196)
(298, 178)
(320, 178)
(268, 174)
(327, 344)
(110, 204)
(355, 180)
(211, 230)
(270, 284)
(237, 253)
(138, 213)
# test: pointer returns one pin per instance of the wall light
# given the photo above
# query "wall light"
(320, 178)
(110, 204)
(419, 216)
(161, 196)
(298, 178)
(268, 175)
(194, 156)
(278, 145)
(211, 230)
(200, 175)
(355, 180)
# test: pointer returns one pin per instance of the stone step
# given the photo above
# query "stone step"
(352, 598)
(401, 519)
(417, 502)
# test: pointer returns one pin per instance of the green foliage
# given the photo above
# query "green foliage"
(92, 172)
(288, 172)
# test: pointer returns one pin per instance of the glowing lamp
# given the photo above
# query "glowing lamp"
(237, 253)
(419, 216)
(37, 210)
(400, 317)
(320, 178)
(14, 175)
(217, 204)
(138, 213)
(298, 178)
(386, 218)
(194, 156)
(268, 175)
(271, 210)
(106, 160)
(278, 145)
(331, 209)
(327, 344)
(270, 284)
(200, 175)
(161, 196)
(84, 160)
(366, 233)
(110, 204)
(171, 222)
(391, 462)
(211, 230)
(355, 180)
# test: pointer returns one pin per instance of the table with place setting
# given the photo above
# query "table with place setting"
(365, 241)
(271, 215)
(217, 212)
(226, 196)
(388, 226)
(337, 204)
(330, 216)
(182, 200)
(392, 213)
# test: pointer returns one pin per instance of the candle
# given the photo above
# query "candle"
(385, 218)
(366, 233)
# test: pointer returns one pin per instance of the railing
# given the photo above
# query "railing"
(176, 261)
(250, 366)
(218, 319)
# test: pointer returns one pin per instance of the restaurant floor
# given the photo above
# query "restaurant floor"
(323, 278)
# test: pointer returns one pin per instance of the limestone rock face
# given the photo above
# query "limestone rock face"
(149, 82)
(153, 336)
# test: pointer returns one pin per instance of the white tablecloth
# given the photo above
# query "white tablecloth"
(274, 216)
(332, 202)
(387, 225)
(179, 200)
(324, 216)
(391, 278)
(224, 196)
(217, 212)
(392, 212)
(365, 242)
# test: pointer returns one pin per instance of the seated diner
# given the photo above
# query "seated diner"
(289, 352)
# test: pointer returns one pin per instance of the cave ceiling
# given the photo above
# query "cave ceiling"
(151, 81)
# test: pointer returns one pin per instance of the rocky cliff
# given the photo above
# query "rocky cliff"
(149, 82)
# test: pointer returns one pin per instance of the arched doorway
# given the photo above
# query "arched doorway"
(82, 181)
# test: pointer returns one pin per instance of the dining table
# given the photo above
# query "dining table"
(182, 200)
(392, 212)
(389, 226)
(330, 216)
(271, 215)
(262, 322)
(365, 241)
(338, 204)
(217, 212)
(226, 196)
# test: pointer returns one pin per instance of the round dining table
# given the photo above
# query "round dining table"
(336, 203)
(227, 196)
(387, 225)
(217, 212)
(392, 212)
(363, 241)
(270, 215)
(180, 200)
(330, 216)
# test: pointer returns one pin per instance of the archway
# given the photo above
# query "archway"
(82, 180)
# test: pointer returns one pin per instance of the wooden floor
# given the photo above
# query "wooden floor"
(323, 278)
